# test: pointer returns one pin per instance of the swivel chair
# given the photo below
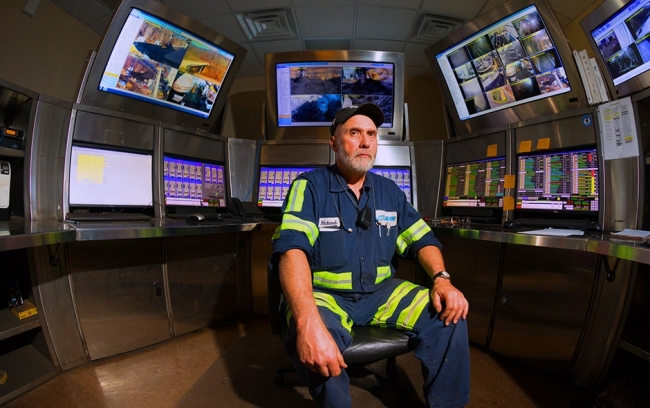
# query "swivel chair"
(370, 344)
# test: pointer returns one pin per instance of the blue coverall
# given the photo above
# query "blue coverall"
(354, 284)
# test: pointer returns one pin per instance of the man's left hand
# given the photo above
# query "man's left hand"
(449, 302)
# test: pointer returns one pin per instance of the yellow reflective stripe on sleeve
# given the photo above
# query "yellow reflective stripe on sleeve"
(291, 222)
(326, 300)
(332, 280)
(296, 196)
(386, 310)
(383, 273)
(411, 235)
(407, 318)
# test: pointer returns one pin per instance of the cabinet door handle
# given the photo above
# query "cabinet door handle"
(158, 288)
(504, 298)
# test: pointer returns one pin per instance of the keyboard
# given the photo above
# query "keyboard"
(107, 217)
(553, 223)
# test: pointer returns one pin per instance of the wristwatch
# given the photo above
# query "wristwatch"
(441, 274)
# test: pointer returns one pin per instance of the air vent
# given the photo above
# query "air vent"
(278, 24)
(432, 28)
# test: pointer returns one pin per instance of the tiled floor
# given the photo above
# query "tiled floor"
(232, 365)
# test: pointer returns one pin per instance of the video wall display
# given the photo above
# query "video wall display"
(158, 62)
(193, 183)
(475, 184)
(558, 181)
(510, 62)
(624, 41)
(401, 177)
(275, 182)
(310, 93)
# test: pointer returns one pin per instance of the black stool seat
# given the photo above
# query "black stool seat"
(371, 344)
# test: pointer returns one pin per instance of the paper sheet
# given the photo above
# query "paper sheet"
(554, 232)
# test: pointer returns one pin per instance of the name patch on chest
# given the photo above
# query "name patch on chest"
(329, 224)
(386, 218)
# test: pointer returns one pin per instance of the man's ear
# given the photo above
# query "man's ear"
(333, 143)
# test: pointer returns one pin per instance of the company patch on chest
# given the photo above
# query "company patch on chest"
(329, 224)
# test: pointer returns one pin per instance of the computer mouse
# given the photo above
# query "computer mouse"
(195, 218)
(511, 224)
(593, 226)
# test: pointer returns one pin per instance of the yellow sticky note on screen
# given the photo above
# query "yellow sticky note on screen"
(543, 143)
(509, 181)
(492, 150)
(525, 146)
(508, 203)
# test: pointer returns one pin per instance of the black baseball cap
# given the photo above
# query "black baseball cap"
(367, 109)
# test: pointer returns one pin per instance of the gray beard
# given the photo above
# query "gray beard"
(357, 165)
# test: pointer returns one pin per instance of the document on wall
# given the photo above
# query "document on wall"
(618, 129)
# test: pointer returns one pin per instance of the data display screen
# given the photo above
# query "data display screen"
(400, 175)
(475, 184)
(275, 182)
(558, 181)
(193, 183)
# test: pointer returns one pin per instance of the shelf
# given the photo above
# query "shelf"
(25, 368)
(11, 325)
(7, 152)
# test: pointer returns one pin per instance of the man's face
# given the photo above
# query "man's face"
(355, 144)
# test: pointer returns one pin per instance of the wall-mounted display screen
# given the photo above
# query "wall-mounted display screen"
(110, 178)
(161, 63)
(400, 175)
(193, 183)
(275, 182)
(623, 40)
(561, 181)
(310, 93)
(508, 63)
(475, 184)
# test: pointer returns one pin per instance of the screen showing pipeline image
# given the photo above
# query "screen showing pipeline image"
(193, 183)
(510, 62)
(624, 41)
(475, 183)
(157, 62)
(558, 181)
(310, 93)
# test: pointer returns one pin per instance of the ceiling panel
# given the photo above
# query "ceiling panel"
(412, 4)
(226, 25)
(316, 21)
(384, 23)
(463, 9)
(198, 9)
(384, 45)
(245, 5)
(87, 11)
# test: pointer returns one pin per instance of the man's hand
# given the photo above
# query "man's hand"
(448, 301)
(318, 351)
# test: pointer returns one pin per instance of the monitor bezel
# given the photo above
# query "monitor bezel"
(571, 100)
(444, 182)
(574, 214)
(103, 207)
(90, 94)
(322, 132)
(593, 20)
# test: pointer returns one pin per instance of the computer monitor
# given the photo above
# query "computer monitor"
(306, 88)
(400, 175)
(109, 178)
(619, 34)
(157, 63)
(510, 64)
(274, 183)
(474, 185)
(191, 184)
(558, 182)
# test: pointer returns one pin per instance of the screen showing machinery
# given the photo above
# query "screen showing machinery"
(560, 181)
(475, 184)
(400, 175)
(158, 62)
(508, 63)
(110, 178)
(623, 41)
(274, 183)
(310, 93)
(193, 183)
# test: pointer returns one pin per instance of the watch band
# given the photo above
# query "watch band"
(441, 274)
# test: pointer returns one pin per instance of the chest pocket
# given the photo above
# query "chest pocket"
(387, 225)
(330, 248)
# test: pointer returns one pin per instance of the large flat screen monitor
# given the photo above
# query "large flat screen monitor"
(514, 55)
(193, 183)
(310, 93)
(100, 177)
(558, 182)
(306, 88)
(619, 32)
(274, 183)
(400, 175)
(474, 187)
(157, 63)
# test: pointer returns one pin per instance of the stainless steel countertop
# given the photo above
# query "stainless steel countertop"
(28, 234)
